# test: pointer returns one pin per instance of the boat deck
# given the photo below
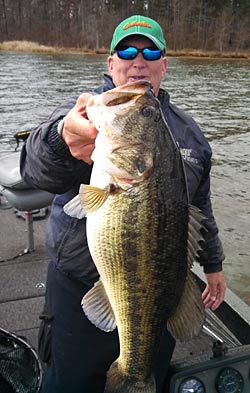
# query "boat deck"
(23, 278)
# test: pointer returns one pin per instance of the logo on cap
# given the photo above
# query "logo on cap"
(135, 23)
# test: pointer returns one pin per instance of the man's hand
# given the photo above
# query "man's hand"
(215, 290)
(78, 132)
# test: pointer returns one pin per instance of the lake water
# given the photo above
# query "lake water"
(214, 92)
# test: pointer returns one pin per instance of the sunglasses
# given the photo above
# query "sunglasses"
(131, 52)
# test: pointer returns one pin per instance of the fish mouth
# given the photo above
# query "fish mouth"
(123, 94)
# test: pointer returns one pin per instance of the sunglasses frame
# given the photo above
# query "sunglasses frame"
(151, 49)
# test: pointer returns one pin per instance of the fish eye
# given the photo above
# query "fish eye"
(147, 111)
(141, 166)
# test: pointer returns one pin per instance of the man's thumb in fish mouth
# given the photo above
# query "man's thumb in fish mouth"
(82, 102)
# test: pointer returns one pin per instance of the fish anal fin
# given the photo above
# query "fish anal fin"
(98, 309)
(189, 316)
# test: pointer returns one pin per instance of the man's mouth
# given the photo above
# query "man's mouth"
(139, 77)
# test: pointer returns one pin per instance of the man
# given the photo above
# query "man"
(57, 158)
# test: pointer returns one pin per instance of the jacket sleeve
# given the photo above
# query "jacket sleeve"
(46, 162)
(212, 255)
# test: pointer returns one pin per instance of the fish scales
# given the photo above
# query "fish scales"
(138, 237)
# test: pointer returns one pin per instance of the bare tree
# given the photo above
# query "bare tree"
(5, 19)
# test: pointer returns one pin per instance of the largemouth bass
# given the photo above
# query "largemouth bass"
(142, 234)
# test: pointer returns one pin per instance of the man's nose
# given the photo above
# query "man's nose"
(139, 60)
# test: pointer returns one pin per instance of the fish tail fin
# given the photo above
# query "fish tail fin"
(117, 382)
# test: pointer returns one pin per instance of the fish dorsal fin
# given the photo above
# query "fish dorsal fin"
(189, 317)
(195, 237)
(92, 198)
(98, 309)
(74, 208)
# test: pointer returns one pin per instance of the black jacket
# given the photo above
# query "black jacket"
(46, 163)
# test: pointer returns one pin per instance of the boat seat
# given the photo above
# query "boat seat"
(19, 194)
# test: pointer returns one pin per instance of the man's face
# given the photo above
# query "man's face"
(124, 71)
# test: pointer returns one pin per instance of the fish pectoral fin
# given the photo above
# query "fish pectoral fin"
(195, 237)
(92, 198)
(97, 308)
(74, 208)
(189, 316)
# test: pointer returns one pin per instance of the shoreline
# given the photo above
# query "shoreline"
(33, 47)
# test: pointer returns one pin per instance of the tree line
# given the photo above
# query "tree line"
(221, 25)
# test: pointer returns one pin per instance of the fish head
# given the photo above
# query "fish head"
(126, 118)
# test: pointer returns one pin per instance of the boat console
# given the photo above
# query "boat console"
(224, 372)
(219, 360)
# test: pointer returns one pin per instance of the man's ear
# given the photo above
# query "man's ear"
(110, 65)
(164, 67)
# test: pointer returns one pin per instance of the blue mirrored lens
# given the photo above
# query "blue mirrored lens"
(151, 54)
(130, 53)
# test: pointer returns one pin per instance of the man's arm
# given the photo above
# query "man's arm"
(212, 255)
(47, 161)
